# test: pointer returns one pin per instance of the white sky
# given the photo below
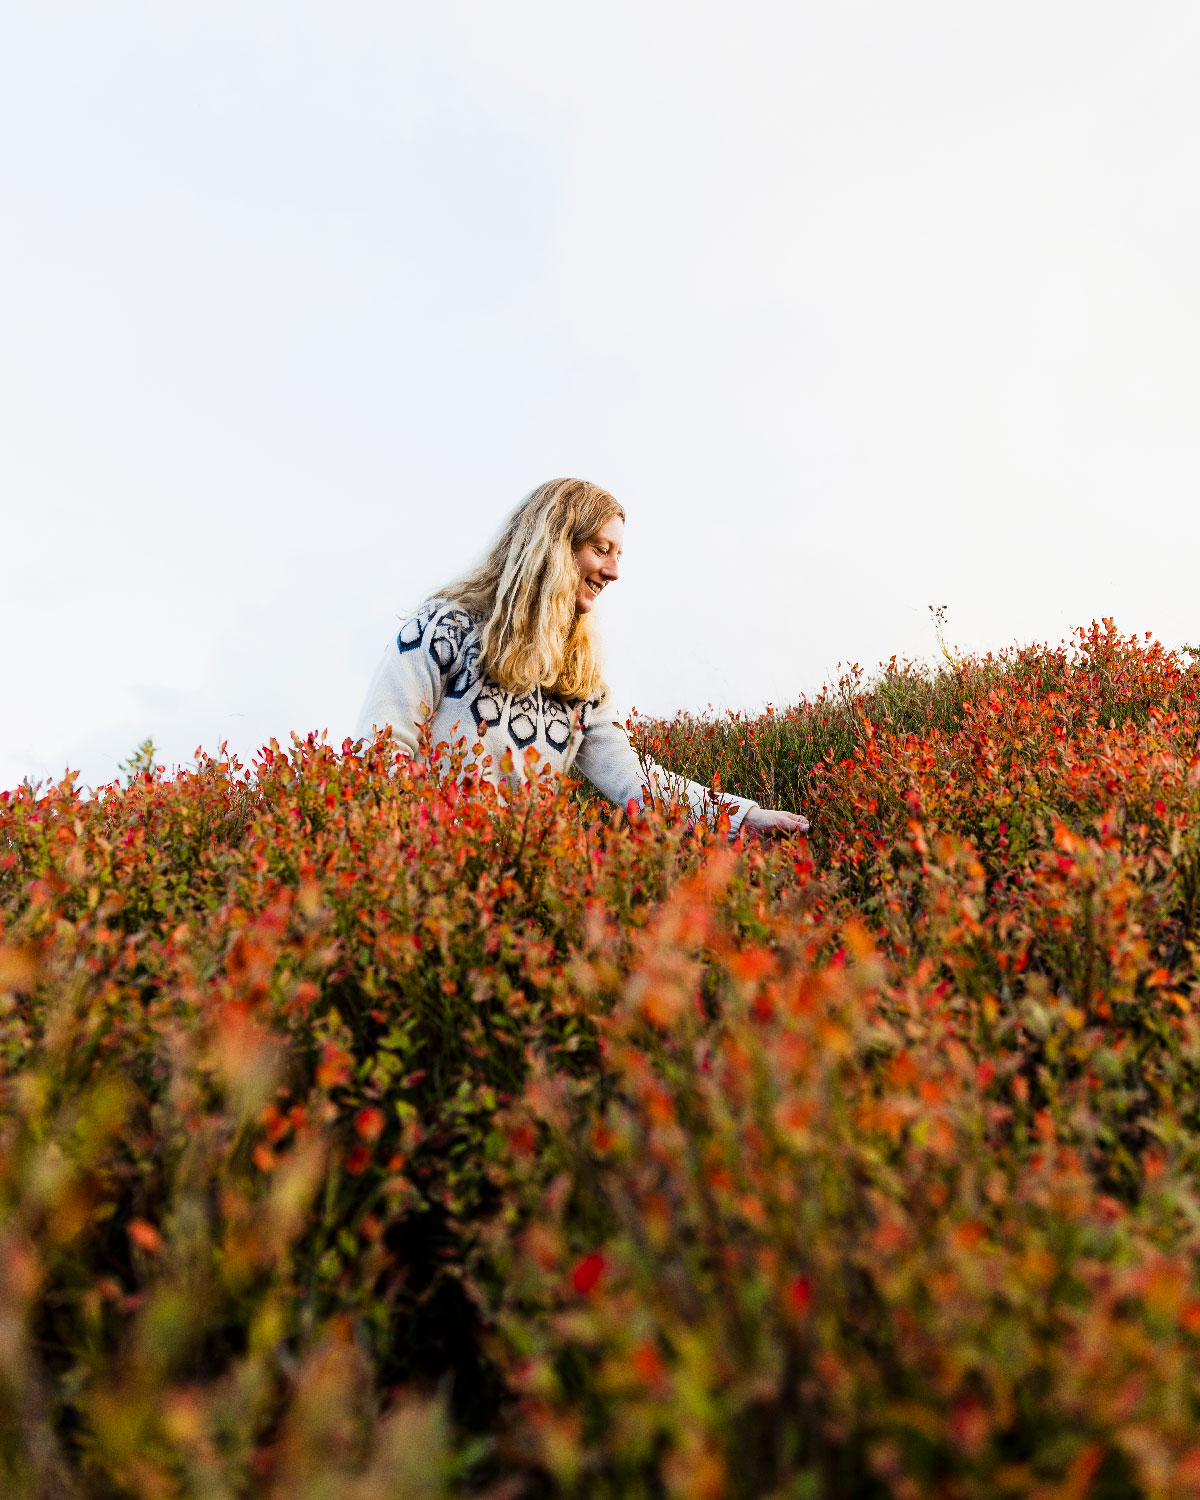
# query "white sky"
(857, 307)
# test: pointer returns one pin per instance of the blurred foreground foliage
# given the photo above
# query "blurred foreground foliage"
(365, 1133)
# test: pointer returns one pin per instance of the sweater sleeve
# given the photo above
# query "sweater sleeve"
(410, 680)
(609, 761)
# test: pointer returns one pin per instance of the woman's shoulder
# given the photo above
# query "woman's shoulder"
(441, 626)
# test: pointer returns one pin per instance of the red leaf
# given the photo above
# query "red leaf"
(145, 1236)
(588, 1272)
(369, 1123)
(357, 1160)
(798, 1293)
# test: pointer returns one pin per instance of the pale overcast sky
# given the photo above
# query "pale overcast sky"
(857, 307)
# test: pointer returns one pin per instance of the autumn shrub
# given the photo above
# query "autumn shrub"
(781, 756)
(366, 1132)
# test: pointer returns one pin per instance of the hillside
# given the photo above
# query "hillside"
(364, 1135)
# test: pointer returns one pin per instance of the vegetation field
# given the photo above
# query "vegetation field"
(368, 1135)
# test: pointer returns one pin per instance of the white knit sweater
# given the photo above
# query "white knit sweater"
(433, 667)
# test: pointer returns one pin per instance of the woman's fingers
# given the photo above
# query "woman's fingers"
(773, 820)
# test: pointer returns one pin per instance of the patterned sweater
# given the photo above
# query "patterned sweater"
(434, 667)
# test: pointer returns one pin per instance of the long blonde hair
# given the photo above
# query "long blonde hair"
(523, 592)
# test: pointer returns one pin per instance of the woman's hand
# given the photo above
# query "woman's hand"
(769, 820)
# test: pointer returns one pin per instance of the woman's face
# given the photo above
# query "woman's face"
(596, 560)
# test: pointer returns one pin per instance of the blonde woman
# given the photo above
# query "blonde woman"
(507, 657)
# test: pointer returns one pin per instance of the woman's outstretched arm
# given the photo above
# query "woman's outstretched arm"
(608, 760)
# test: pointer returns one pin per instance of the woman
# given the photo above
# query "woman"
(506, 657)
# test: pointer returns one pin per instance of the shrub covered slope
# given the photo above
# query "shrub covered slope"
(364, 1134)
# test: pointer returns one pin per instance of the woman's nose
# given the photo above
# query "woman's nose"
(610, 570)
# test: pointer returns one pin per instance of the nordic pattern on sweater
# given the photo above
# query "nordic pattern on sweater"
(433, 668)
